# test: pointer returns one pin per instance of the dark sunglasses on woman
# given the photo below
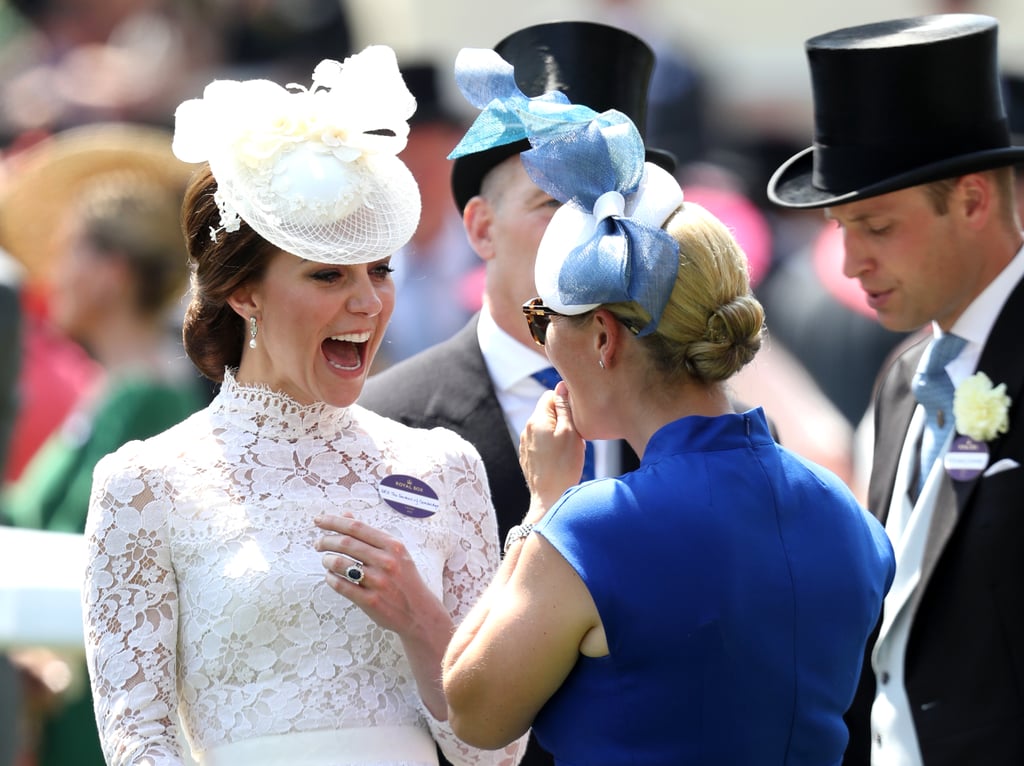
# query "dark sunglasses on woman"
(538, 317)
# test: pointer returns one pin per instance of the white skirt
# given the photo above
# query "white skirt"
(369, 746)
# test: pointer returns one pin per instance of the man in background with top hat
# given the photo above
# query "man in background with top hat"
(432, 270)
(479, 383)
(912, 158)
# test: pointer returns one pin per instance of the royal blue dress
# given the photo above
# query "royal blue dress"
(737, 584)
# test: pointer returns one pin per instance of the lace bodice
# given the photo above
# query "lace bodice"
(205, 598)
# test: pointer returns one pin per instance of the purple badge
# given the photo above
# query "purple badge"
(409, 495)
(966, 459)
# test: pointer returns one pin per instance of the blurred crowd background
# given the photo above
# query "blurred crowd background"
(87, 355)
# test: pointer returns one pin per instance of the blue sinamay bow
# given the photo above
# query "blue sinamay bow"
(589, 161)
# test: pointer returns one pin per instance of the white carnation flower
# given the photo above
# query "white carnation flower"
(981, 410)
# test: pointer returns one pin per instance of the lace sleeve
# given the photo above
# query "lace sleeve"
(130, 612)
(471, 565)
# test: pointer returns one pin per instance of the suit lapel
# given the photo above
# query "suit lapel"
(894, 408)
(894, 411)
(1003, 363)
(474, 411)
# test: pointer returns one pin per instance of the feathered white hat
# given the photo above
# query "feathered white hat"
(312, 170)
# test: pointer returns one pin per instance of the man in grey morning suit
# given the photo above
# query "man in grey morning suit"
(912, 158)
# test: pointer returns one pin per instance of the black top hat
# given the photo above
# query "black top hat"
(593, 64)
(421, 78)
(1013, 97)
(897, 104)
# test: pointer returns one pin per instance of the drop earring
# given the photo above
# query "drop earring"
(252, 332)
(600, 363)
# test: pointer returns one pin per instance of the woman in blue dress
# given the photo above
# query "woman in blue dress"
(711, 607)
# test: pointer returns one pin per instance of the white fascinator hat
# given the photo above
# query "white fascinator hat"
(314, 171)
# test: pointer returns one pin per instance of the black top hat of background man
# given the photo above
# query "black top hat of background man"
(1013, 98)
(421, 78)
(897, 104)
(596, 65)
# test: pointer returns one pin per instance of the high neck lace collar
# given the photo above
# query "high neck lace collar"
(274, 413)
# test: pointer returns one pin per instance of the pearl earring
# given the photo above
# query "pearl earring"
(252, 332)
(601, 363)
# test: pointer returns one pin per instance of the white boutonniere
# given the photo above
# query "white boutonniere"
(981, 410)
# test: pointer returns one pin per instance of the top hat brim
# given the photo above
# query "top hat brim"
(793, 186)
(49, 176)
(469, 171)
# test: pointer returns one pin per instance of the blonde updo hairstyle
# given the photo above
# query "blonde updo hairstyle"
(713, 325)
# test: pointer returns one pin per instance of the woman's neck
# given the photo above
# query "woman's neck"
(664, 404)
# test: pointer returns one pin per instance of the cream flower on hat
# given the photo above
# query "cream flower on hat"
(313, 170)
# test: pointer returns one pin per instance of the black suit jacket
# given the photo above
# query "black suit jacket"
(964, 665)
(448, 385)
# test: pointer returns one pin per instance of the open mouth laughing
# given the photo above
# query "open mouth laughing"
(346, 351)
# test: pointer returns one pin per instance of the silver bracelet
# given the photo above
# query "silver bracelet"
(517, 533)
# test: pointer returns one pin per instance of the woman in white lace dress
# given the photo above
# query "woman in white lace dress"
(282, 571)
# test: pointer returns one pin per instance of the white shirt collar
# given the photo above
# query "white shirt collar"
(508, 361)
(977, 321)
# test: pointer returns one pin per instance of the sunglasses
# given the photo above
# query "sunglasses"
(538, 317)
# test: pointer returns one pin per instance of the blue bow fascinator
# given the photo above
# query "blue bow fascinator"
(605, 244)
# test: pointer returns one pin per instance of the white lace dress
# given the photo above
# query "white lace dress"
(205, 599)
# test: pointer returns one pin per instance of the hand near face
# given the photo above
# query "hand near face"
(551, 450)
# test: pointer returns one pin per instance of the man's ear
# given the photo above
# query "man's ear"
(478, 218)
(977, 198)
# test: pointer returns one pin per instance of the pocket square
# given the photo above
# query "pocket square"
(1006, 464)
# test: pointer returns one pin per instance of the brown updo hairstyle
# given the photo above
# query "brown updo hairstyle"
(220, 263)
(713, 325)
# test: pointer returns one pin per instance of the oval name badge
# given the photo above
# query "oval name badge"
(965, 459)
(409, 495)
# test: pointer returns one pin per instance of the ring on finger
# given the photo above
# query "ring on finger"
(354, 571)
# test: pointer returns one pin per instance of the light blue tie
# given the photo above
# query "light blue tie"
(549, 377)
(934, 390)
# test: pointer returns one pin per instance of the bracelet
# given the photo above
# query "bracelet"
(517, 533)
